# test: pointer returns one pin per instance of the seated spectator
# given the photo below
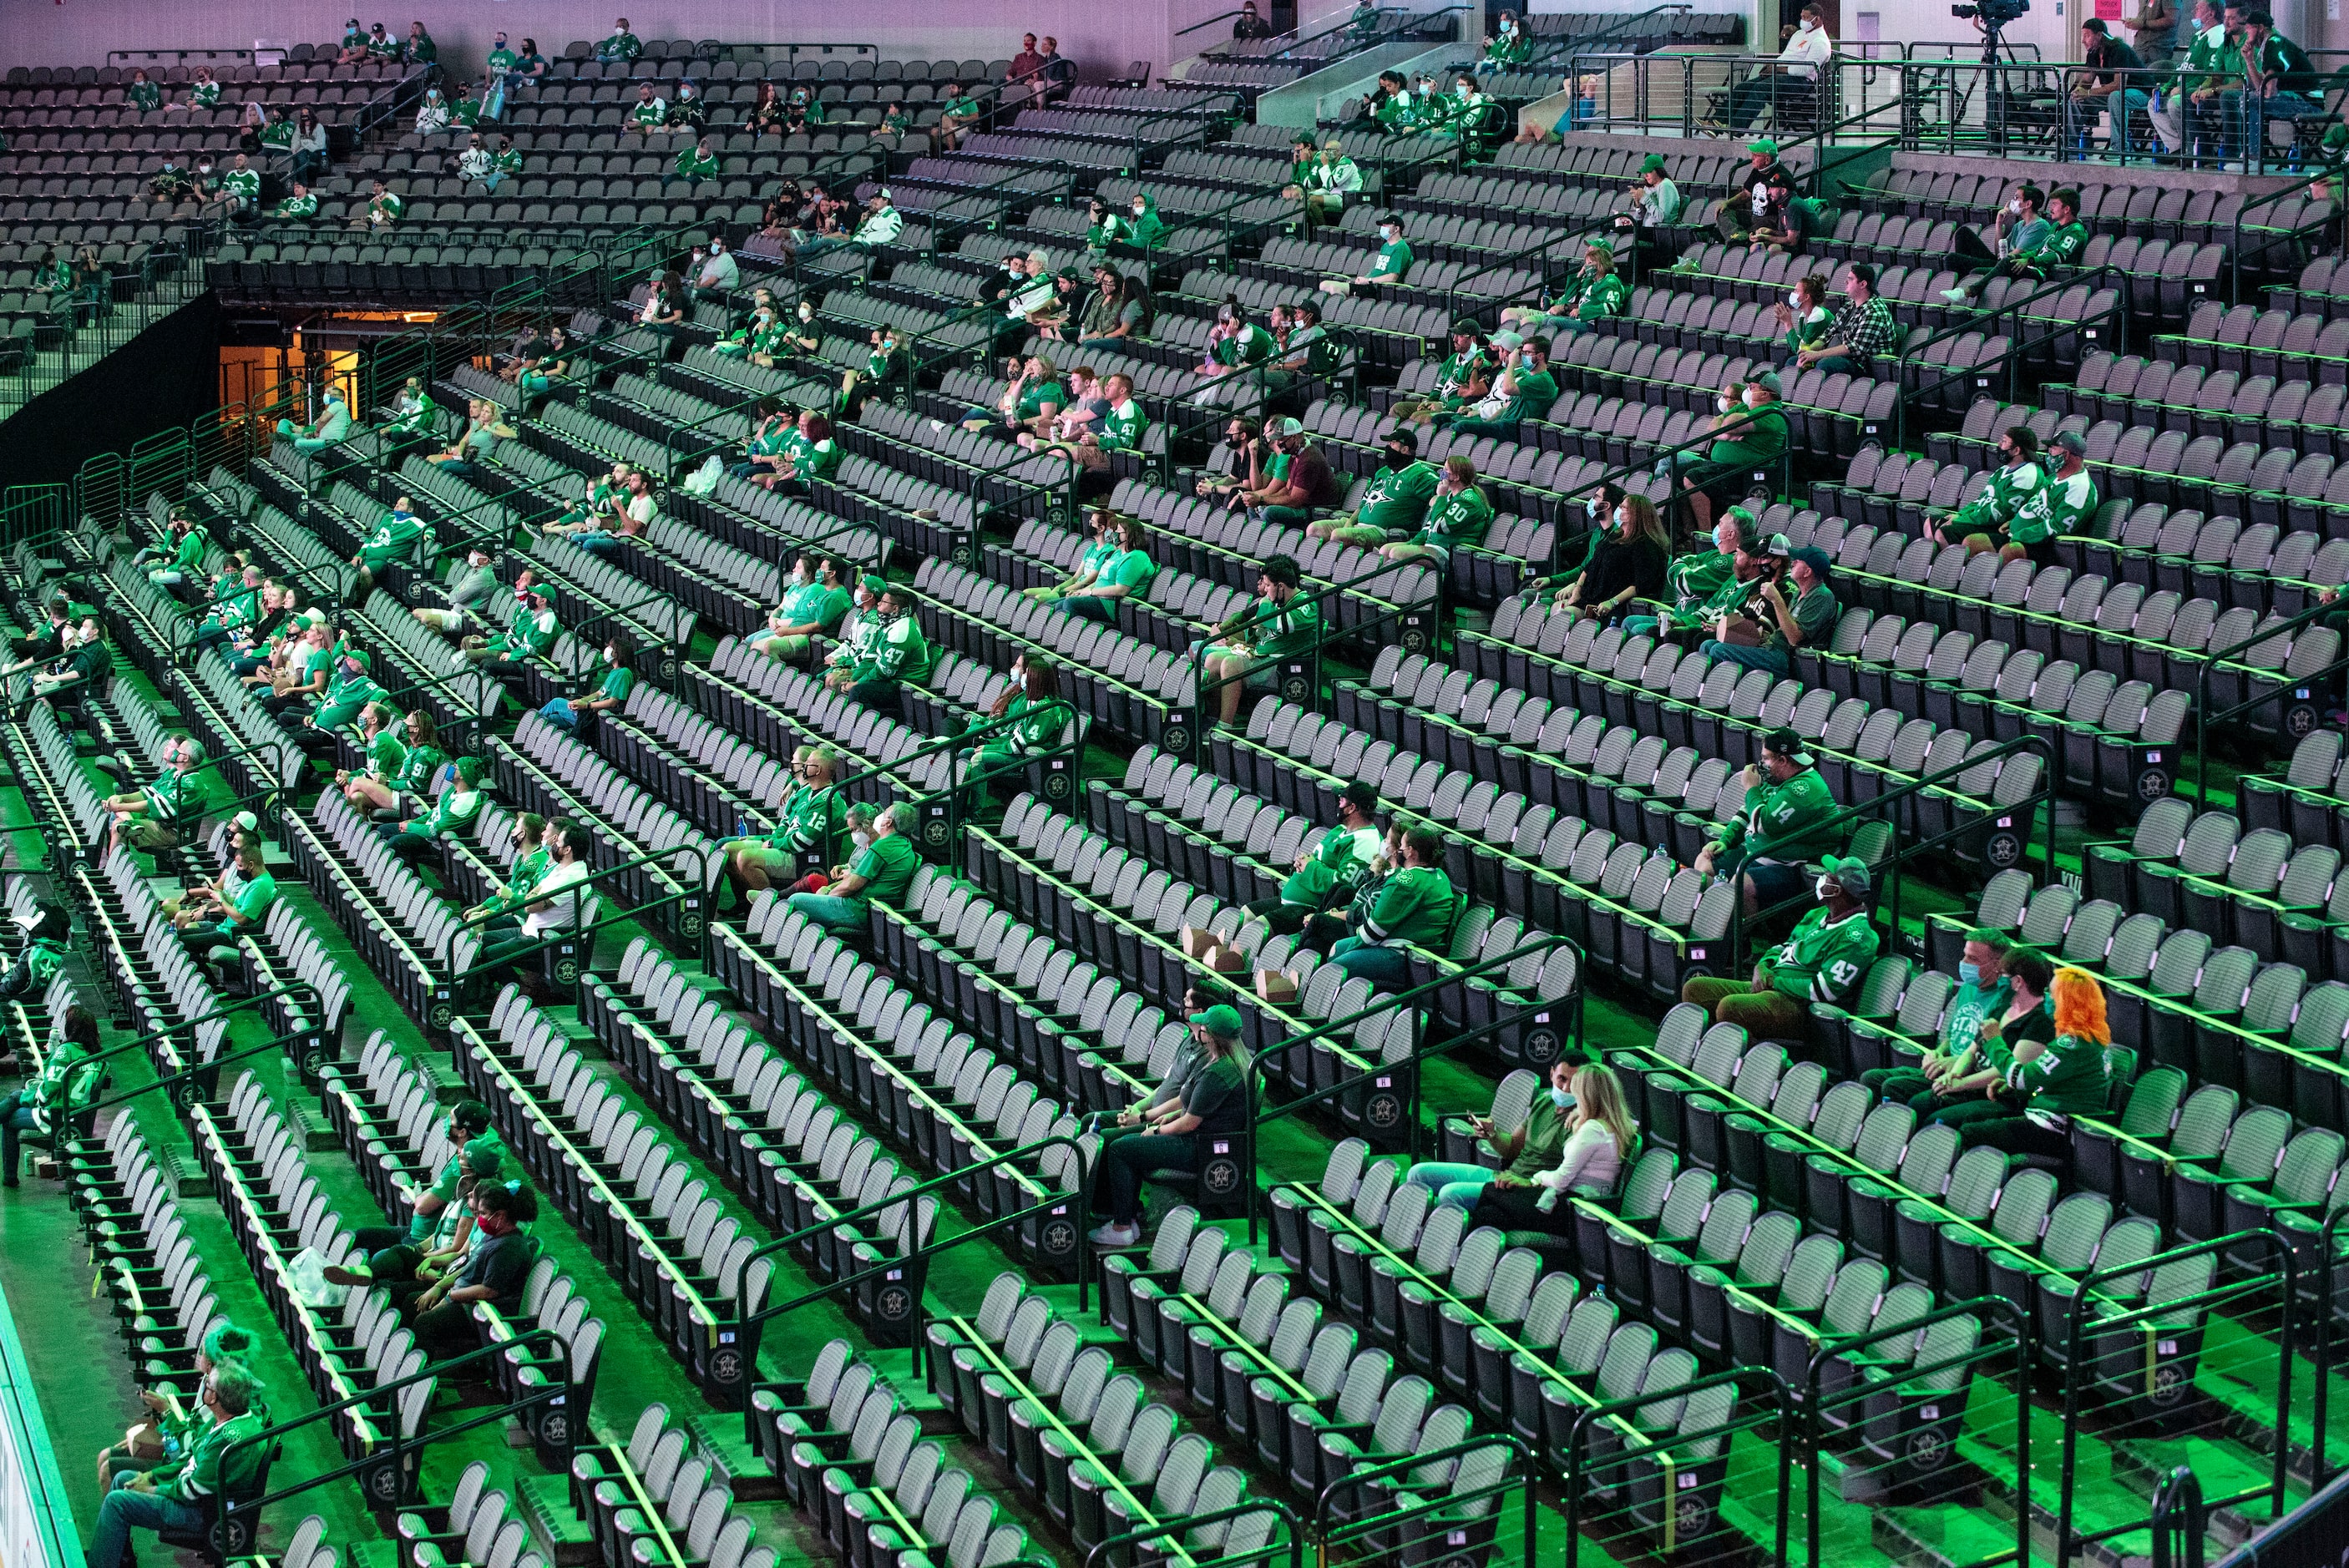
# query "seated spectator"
(278, 134)
(1789, 87)
(381, 45)
(1780, 828)
(156, 817)
(529, 70)
(1463, 377)
(1524, 389)
(718, 273)
(689, 112)
(899, 655)
(1328, 872)
(1982, 524)
(403, 789)
(1027, 62)
(332, 426)
(383, 209)
(299, 207)
(339, 706)
(696, 162)
(1749, 440)
(2020, 229)
(628, 512)
(1057, 76)
(1026, 720)
(1630, 562)
(220, 1460)
(1805, 318)
(1248, 25)
(1599, 1136)
(2063, 507)
(493, 1272)
(307, 145)
(1981, 994)
(1823, 961)
(859, 629)
(395, 541)
(68, 1082)
(418, 48)
(621, 46)
(1283, 623)
(607, 686)
(142, 95)
(1267, 458)
(432, 114)
(1771, 626)
(1458, 515)
(1101, 524)
(1028, 405)
(354, 43)
(2108, 81)
(879, 873)
(1331, 183)
(1393, 264)
(1656, 206)
(665, 307)
(1396, 501)
(1215, 1101)
(409, 1268)
(894, 124)
(1390, 107)
(1234, 343)
(766, 111)
(244, 911)
(185, 558)
(1863, 327)
(1507, 48)
(1415, 908)
(1307, 349)
(554, 902)
(1969, 1085)
(809, 816)
(1126, 575)
(2060, 240)
(2030, 1110)
(529, 634)
(161, 1440)
(881, 225)
(469, 594)
(957, 114)
(1592, 295)
(1304, 487)
(1534, 1145)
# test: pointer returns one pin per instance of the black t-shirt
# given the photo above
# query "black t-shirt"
(2112, 55)
(1618, 563)
(1218, 1097)
(500, 1262)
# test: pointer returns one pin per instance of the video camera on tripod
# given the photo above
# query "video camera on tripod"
(1993, 13)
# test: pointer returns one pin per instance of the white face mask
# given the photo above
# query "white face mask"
(1725, 404)
(1757, 399)
(862, 838)
(1807, 24)
(1795, 300)
(807, 313)
(2014, 205)
(1826, 888)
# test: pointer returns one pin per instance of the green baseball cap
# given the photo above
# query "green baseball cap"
(874, 584)
(1652, 164)
(1764, 145)
(1219, 1020)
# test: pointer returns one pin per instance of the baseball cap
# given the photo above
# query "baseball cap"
(2072, 441)
(1786, 743)
(1763, 144)
(1812, 556)
(1403, 435)
(1292, 426)
(1507, 340)
(1225, 1021)
(1359, 794)
(873, 583)
(1777, 545)
(1768, 381)
(1852, 873)
(1652, 164)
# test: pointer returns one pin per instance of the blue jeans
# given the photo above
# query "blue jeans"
(559, 714)
(1455, 1184)
(124, 1511)
(841, 916)
(1386, 969)
(1640, 626)
(1775, 660)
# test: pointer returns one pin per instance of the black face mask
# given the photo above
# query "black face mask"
(1398, 458)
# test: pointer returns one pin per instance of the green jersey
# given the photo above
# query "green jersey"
(899, 653)
(1251, 345)
(1338, 862)
(651, 111)
(455, 810)
(414, 774)
(1781, 821)
(385, 754)
(1602, 297)
(1414, 907)
(210, 1468)
(1454, 520)
(1824, 959)
(1696, 577)
(2061, 248)
(1398, 499)
(695, 164)
(2072, 1077)
(2059, 509)
(809, 820)
(1284, 631)
(2010, 488)
(524, 879)
(345, 698)
(1121, 428)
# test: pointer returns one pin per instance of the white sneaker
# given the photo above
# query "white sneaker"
(1955, 296)
(1115, 1235)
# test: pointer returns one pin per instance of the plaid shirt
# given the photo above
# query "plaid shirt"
(1866, 328)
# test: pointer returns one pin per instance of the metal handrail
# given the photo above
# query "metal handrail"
(1259, 1065)
(186, 1087)
(2217, 657)
(1869, 809)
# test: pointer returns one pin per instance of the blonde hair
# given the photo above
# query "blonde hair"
(1646, 521)
(1599, 1096)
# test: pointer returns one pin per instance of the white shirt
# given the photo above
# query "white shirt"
(562, 916)
(641, 507)
(1806, 51)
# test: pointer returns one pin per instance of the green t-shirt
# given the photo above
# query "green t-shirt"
(1033, 399)
(1536, 391)
(414, 775)
(1545, 1143)
(1394, 259)
(1398, 499)
(251, 900)
(501, 60)
(887, 866)
(1814, 611)
(1132, 570)
(1969, 1005)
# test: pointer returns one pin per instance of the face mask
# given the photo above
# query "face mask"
(2015, 206)
(1968, 973)
(1756, 400)
(1388, 235)
(1720, 538)
(1622, 516)
(1594, 506)
(1826, 888)
(610, 656)
(1463, 89)
(1725, 404)
(807, 313)
(1138, 211)
(1560, 1097)
(1795, 300)
(862, 838)
(1808, 25)
(1397, 458)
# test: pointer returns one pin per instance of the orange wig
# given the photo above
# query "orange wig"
(2080, 1006)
